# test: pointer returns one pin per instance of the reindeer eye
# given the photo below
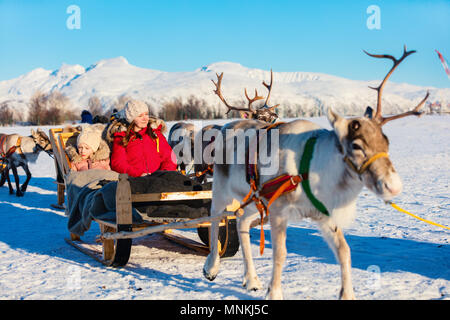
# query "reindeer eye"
(356, 147)
(355, 125)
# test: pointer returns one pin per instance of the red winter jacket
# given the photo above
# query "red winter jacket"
(141, 154)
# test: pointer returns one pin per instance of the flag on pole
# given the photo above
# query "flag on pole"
(444, 63)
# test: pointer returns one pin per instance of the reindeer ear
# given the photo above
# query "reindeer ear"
(33, 133)
(368, 113)
(339, 124)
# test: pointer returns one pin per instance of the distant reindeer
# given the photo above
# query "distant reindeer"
(203, 169)
(182, 134)
(341, 162)
(25, 150)
(264, 113)
(206, 136)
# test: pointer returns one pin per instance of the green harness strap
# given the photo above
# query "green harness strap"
(304, 169)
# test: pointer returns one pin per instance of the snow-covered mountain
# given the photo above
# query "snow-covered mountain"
(305, 91)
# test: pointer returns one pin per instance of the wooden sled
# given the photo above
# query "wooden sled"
(58, 140)
(116, 238)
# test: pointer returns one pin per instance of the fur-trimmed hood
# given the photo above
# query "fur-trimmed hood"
(118, 126)
(103, 152)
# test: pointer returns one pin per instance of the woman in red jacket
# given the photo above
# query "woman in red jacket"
(141, 149)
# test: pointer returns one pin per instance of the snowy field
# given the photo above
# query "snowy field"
(393, 255)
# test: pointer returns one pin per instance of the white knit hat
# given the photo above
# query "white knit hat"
(90, 137)
(133, 108)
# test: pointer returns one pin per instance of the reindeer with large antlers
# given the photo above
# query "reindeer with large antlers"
(186, 131)
(327, 168)
(264, 113)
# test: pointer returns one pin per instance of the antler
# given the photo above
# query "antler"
(269, 87)
(379, 89)
(413, 112)
(378, 114)
(218, 91)
(250, 101)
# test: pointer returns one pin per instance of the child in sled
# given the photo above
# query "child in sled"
(91, 151)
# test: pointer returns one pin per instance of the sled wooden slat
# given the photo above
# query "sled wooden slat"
(89, 250)
(58, 140)
(171, 196)
(62, 139)
(105, 223)
(55, 147)
(123, 201)
(186, 242)
(160, 228)
(59, 175)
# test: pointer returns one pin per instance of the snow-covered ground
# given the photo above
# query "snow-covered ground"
(393, 255)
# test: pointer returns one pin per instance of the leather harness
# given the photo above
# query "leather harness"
(4, 155)
(285, 183)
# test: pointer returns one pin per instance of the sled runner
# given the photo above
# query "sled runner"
(160, 212)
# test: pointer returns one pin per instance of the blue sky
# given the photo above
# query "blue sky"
(172, 35)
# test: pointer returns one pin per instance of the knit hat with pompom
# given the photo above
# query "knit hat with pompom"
(90, 137)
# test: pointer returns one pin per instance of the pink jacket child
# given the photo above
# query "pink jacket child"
(93, 152)
(87, 164)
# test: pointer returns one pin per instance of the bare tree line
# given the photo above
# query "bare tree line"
(55, 108)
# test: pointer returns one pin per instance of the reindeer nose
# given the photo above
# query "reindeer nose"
(394, 186)
(392, 190)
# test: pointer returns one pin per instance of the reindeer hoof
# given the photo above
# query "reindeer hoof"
(274, 294)
(252, 284)
(19, 194)
(344, 295)
(208, 275)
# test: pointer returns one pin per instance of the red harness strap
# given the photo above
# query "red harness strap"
(271, 190)
(2, 140)
(5, 155)
(11, 150)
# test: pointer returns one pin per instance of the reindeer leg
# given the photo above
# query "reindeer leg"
(11, 190)
(278, 227)
(3, 177)
(250, 281)
(212, 263)
(24, 186)
(335, 239)
(19, 193)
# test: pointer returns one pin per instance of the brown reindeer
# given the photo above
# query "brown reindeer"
(182, 136)
(21, 150)
(327, 170)
(264, 113)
